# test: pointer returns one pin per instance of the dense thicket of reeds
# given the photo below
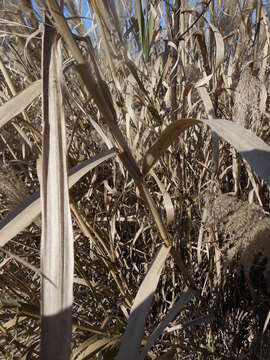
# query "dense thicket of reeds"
(134, 179)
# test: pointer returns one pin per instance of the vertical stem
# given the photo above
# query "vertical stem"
(176, 29)
(256, 63)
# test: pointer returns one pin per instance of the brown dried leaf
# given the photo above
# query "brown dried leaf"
(250, 146)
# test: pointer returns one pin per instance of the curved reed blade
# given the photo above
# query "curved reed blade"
(177, 307)
(220, 51)
(18, 103)
(26, 212)
(250, 146)
(168, 136)
(131, 342)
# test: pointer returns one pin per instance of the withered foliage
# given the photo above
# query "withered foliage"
(151, 64)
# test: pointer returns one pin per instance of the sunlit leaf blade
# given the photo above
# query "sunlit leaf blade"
(219, 45)
(20, 218)
(168, 136)
(167, 201)
(18, 103)
(57, 259)
(131, 342)
(78, 171)
(26, 212)
(250, 146)
(177, 307)
(90, 346)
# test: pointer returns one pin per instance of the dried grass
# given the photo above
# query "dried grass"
(116, 237)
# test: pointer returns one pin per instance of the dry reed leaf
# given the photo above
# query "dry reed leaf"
(250, 146)
(4, 262)
(78, 171)
(220, 51)
(168, 136)
(20, 218)
(167, 201)
(210, 111)
(22, 261)
(29, 38)
(13, 322)
(266, 322)
(169, 355)
(204, 81)
(131, 342)
(100, 12)
(200, 38)
(28, 210)
(18, 103)
(98, 346)
(56, 254)
(89, 347)
(177, 307)
(109, 115)
(207, 102)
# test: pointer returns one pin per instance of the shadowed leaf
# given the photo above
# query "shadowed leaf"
(177, 307)
(131, 342)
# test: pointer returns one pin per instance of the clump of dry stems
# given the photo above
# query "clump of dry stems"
(153, 64)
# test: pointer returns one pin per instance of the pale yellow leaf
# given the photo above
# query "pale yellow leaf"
(26, 212)
(131, 342)
(250, 146)
(56, 254)
(18, 103)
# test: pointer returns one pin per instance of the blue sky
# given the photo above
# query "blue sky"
(87, 20)
(85, 9)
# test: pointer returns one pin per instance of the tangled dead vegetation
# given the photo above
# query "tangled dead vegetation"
(135, 77)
